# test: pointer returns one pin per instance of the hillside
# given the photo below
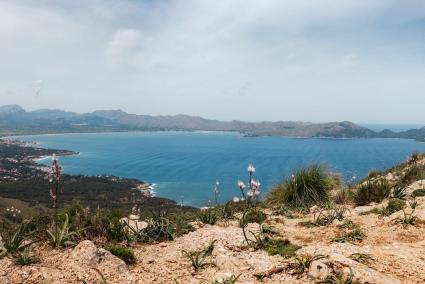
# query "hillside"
(15, 120)
(370, 232)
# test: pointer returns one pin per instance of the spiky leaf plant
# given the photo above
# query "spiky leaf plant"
(61, 237)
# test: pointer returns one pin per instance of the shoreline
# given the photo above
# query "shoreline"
(146, 189)
(241, 134)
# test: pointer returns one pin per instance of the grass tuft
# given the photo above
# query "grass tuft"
(24, 258)
(308, 187)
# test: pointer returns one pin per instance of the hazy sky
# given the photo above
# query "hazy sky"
(327, 60)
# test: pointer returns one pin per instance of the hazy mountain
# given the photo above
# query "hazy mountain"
(15, 120)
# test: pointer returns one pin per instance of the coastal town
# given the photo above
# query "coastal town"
(18, 160)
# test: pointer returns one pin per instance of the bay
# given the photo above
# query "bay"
(185, 165)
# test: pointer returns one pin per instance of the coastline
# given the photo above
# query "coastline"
(146, 189)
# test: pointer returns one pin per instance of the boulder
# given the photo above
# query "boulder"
(420, 184)
(110, 267)
(361, 273)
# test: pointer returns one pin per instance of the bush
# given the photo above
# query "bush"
(394, 205)
(282, 247)
(372, 191)
(414, 173)
(309, 186)
(344, 196)
(418, 193)
(159, 229)
(208, 216)
(124, 253)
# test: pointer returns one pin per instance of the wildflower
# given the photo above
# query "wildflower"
(255, 183)
(294, 179)
(251, 168)
(216, 193)
(241, 185)
(54, 179)
(236, 199)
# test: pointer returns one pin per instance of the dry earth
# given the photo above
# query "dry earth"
(397, 255)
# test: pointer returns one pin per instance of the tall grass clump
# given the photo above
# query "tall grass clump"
(372, 191)
(308, 186)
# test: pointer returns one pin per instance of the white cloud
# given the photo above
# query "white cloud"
(290, 59)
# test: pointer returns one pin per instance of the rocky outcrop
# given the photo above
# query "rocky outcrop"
(108, 266)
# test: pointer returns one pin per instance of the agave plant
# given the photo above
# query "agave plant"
(62, 237)
(399, 192)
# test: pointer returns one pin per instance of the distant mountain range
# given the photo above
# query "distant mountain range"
(15, 120)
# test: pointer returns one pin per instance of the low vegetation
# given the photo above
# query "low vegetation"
(302, 263)
(124, 253)
(307, 187)
(198, 258)
(352, 233)
(372, 191)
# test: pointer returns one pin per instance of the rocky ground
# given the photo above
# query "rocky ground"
(388, 252)
(397, 255)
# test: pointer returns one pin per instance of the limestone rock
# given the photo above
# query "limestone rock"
(86, 254)
(318, 270)
(361, 273)
(420, 184)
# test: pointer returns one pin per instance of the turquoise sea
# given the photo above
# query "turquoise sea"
(185, 165)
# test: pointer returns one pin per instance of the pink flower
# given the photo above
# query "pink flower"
(251, 168)
(241, 185)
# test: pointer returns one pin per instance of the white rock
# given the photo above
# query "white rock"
(318, 270)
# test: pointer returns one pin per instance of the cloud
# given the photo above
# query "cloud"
(308, 57)
(123, 44)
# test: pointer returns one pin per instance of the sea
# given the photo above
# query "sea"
(185, 166)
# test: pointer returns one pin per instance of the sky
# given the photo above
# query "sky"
(300, 60)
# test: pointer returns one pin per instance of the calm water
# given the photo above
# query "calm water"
(184, 166)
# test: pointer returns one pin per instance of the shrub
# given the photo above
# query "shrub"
(159, 229)
(393, 206)
(125, 253)
(344, 196)
(372, 191)
(307, 187)
(181, 225)
(116, 230)
(208, 216)
(418, 193)
(282, 247)
(413, 173)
